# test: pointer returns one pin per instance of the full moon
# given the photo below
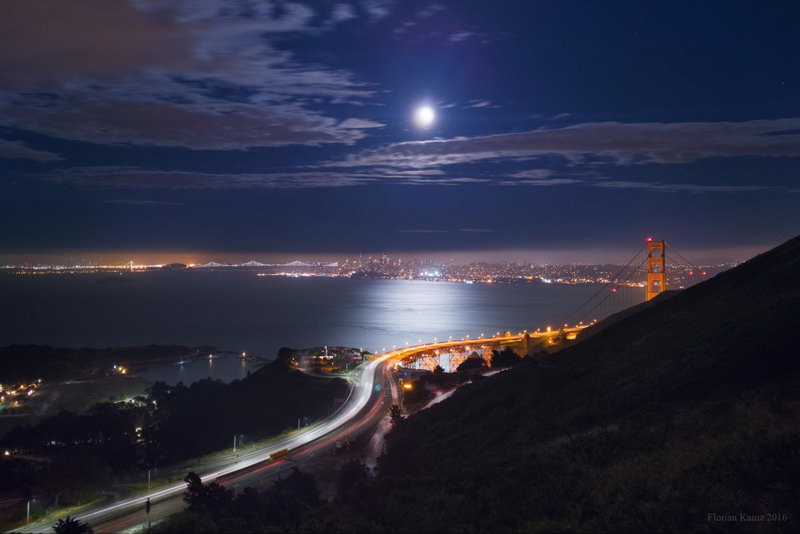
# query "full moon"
(424, 116)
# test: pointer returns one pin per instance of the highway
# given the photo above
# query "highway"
(370, 399)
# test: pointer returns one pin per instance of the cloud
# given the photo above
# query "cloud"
(139, 202)
(218, 126)
(343, 12)
(359, 124)
(460, 36)
(480, 104)
(137, 178)
(445, 181)
(132, 178)
(43, 44)
(19, 150)
(197, 74)
(620, 143)
(533, 173)
(441, 231)
(542, 182)
(423, 231)
(672, 188)
(377, 9)
(430, 10)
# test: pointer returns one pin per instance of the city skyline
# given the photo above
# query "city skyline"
(609, 256)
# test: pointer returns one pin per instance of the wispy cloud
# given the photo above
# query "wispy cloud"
(343, 12)
(19, 150)
(139, 202)
(123, 178)
(620, 143)
(443, 231)
(671, 188)
(423, 231)
(533, 173)
(544, 182)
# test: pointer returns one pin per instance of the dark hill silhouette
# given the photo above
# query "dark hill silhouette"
(614, 318)
(666, 419)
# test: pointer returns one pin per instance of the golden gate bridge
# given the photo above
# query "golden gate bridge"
(642, 279)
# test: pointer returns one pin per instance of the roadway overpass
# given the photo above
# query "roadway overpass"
(370, 398)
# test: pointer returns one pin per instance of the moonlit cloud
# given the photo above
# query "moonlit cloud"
(620, 143)
(541, 183)
(479, 104)
(533, 173)
(121, 178)
(221, 126)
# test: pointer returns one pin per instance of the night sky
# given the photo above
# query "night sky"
(564, 130)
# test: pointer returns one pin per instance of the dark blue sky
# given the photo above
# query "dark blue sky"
(564, 128)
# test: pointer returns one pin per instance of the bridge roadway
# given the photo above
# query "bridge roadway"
(366, 405)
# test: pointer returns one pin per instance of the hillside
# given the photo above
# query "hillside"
(686, 408)
(614, 318)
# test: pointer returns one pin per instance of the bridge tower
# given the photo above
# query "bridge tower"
(656, 274)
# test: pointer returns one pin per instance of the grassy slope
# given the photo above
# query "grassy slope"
(688, 408)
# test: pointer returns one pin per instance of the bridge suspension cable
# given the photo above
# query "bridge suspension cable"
(605, 286)
(589, 313)
(687, 262)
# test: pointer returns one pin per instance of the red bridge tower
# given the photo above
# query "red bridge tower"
(656, 274)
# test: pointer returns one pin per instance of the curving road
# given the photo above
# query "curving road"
(370, 399)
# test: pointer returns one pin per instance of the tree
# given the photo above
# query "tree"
(438, 370)
(210, 498)
(71, 526)
(396, 414)
(505, 358)
(300, 486)
(78, 478)
(351, 475)
(291, 501)
(473, 362)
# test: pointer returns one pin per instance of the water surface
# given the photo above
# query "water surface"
(239, 311)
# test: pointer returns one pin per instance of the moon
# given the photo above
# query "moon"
(424, 117)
